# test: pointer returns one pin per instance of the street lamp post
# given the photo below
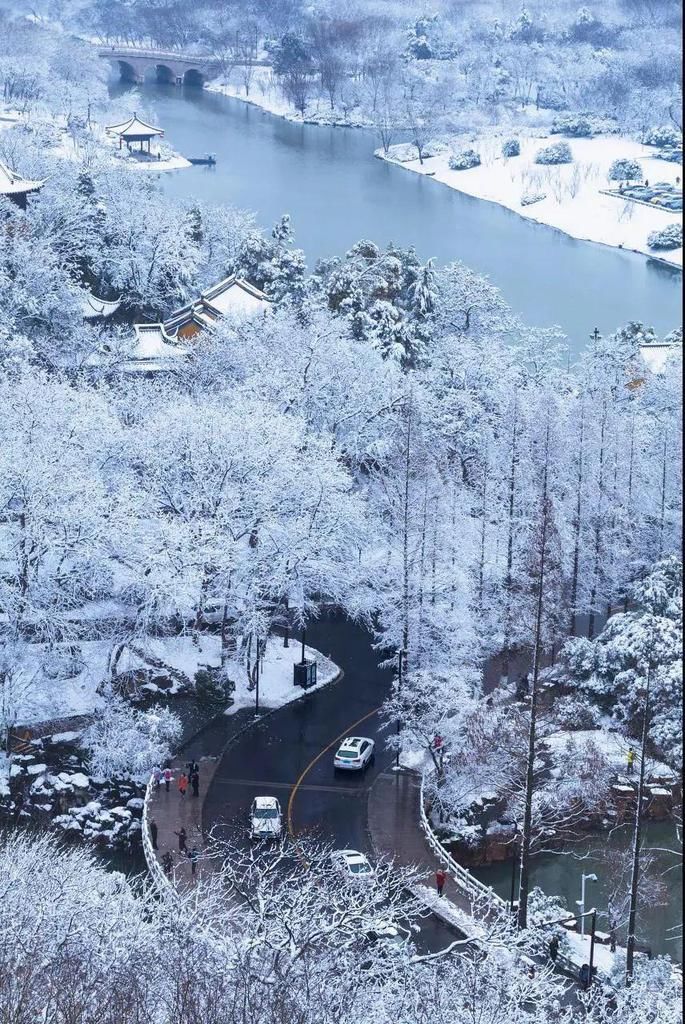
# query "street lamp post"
(256, 703)
(400, 658)
(581, 902)
(592, 945)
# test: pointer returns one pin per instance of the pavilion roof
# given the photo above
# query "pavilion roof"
(12, 183)
(94, 307)
(134, 128)
(655, 355)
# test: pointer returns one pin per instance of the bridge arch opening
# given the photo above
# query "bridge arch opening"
(127, 71)
(164, 74)
(194, 78)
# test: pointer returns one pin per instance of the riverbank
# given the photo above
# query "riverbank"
(267, 95)
(570, 197)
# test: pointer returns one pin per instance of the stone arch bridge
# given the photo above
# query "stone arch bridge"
(168, 66)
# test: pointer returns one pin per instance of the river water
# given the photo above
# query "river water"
(336, 192)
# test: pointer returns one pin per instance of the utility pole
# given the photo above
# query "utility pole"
(592, 945)
(304, 637)
(637, 836)
(514, 861)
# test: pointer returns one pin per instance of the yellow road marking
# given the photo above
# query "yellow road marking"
(318, 757)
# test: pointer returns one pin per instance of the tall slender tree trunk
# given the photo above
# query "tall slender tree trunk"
(637, 837)
(483, 521)
(577, 520)
(662, 518)
(598, 526)
(422, 568)
(526, 832)
(510, 544)
(405, 536)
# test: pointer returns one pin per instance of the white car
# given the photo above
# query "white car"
(353, 865)
(354, 753)
(266, 820)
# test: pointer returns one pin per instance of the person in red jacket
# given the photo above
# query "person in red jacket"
(440, 879)
(182, 783)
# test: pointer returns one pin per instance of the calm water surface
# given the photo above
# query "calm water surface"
(336, 192)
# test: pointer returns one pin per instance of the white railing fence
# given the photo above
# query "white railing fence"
(154, 867)
(461, 875)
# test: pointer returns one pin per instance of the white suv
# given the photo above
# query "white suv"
(266, 820)
(354, 753)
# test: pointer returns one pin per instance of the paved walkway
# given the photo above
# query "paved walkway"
(396, 833)
(171, 812)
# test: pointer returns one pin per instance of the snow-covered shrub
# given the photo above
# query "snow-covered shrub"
(667, 238)
(674, 155)
(512, 147)
(464, 160)
(557, 153)
(624, 170)
(210, 684)
(661, 136)
(528, 198)
(577, 125)
(571, 712)
(126, 742)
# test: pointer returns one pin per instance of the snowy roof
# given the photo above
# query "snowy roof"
(94, 307)
(12, 184)
(232, 296)
(263, 802)
(235, 295)
(655, 355)
(153, 345)
(134, 128)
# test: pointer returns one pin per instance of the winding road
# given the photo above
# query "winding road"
(290, 755)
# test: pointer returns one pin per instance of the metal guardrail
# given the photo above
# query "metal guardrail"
(461, 875)
(154, 867)
(200, 60)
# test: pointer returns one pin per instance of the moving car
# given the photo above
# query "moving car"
(353, 865)
(354, 753)
(266, 820)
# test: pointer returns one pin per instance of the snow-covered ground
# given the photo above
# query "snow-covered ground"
(266, 93)
(45, 692)
(573, 202)
(612, 745)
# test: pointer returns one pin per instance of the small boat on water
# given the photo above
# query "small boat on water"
(209, 160)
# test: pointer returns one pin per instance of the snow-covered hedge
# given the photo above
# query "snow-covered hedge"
(625, 170)
(512, 147)
(674, 155)
(663, 135)
(528, 198)
(667, 238)
(557, 153)
(463, 160)
(577, 125)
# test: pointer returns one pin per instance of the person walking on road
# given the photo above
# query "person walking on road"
(168, 776)
(193, 855)
(182, 839)
(554, 948)
(195, 783)
(631, 760)
(440, 879)
(153, 833)
(182, 783)
(167, 863)
(612, 936)
(156, 776)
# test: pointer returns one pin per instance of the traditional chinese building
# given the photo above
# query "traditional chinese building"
(134, 130)
(231, 297)
(16, 188)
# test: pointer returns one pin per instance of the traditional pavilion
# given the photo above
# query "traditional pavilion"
(159, 347)
(134, 130)
(16, 188)
(231, 297)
